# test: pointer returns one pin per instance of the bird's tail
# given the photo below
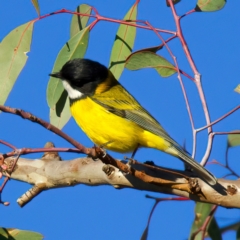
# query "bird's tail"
(200, 170)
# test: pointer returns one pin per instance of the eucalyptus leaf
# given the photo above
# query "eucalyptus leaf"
(74, 48)
(123, 44)
(17, 234)
(210, 5)
(36, 6)
(237, 89)
(233, 140)
(78, 22)
(202, 211)
(13, 57)
(60, 114)
(147, 59)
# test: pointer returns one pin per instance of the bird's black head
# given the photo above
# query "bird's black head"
(83, 74)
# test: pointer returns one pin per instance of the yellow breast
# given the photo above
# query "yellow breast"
(103, 127)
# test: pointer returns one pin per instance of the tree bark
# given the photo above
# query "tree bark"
(47, 173)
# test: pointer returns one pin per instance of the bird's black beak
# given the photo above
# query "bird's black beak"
(56, 75)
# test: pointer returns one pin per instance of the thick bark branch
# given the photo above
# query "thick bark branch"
(45, 174)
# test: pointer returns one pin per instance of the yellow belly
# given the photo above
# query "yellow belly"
(111, 131)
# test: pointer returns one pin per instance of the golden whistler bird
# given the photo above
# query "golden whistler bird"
(112, 117)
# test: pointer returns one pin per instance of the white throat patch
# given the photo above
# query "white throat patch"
(72, 93)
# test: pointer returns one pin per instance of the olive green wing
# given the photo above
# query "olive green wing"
(119, 102)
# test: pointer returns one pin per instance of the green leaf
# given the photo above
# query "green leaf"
(74, 48)
(237, 89)
(3, 233)
(202, 211)
(123, 44)
(150, 49)
(209, 5)
(36, 5)
(78, 22)
(60, 114)
(147, 59)
(17, 234)
(238, 234)
(233, 140)
(13, 56)
(214, 231)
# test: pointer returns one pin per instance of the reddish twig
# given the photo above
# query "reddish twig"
(102, 18)
(226, 133)
(8, 177)
(50, 127)
(158, 200)
(168, 198)
(188, 13)
(186, 75)
(25, 151)
(219, 119)
(232, 172)
(8, 144)
(206, 223)
(210, 141)
(182, 39)
(197, 79)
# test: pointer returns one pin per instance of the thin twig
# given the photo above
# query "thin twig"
(8, 144)
(50, 127)
(25, 151)
(102, 18)
(206, 223)
(197, 80)
(219, 119)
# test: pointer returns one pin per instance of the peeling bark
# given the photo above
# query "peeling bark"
(50, 173)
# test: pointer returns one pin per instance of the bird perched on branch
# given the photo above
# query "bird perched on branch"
(112, 117)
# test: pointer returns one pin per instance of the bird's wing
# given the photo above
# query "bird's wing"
(119, 102)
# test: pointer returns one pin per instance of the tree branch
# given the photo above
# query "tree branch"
(45, 174)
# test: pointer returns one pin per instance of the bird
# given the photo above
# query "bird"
(111, 117)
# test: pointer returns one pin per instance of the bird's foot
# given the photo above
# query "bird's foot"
(103, 147)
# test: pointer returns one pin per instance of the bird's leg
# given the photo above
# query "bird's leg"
(135, 150)
(130, 160)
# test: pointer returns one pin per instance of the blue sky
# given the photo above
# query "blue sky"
(83, 212)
